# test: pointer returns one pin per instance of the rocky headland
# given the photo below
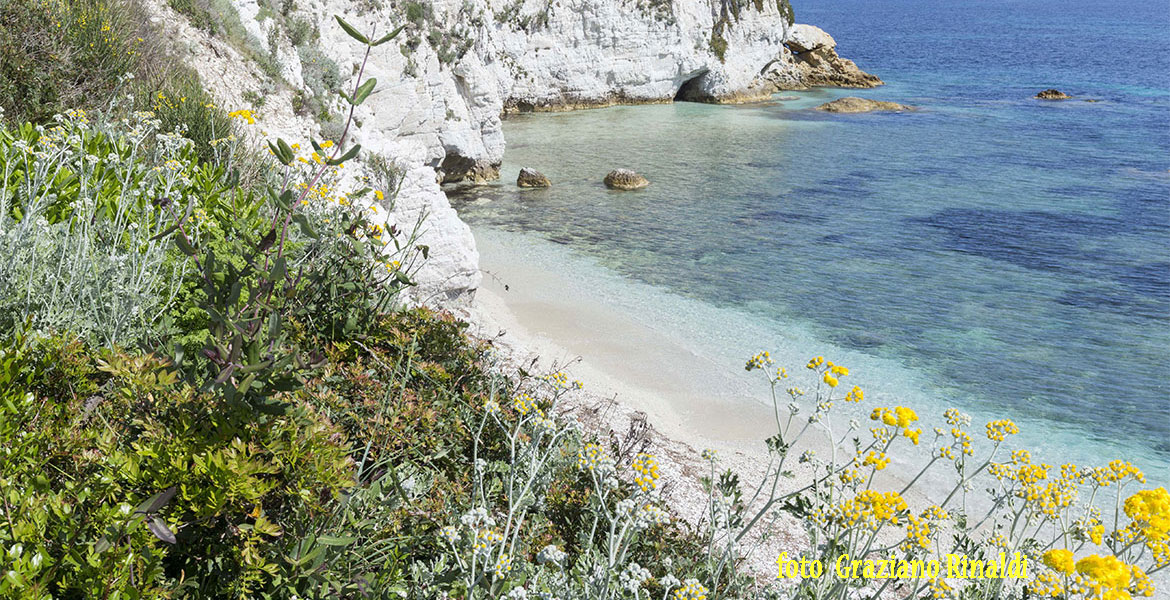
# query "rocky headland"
(447, 82)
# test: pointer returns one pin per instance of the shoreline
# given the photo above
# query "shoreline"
(639, 388)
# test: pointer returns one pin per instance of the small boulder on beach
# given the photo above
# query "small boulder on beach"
(625, 179)
(531, 178)
(851, 104)
(1052, 95)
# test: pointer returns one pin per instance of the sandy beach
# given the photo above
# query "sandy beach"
(634, 372)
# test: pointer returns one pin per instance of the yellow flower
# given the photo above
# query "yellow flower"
(1059, 560)
(691, 590)
(242, 114)
(1107, 572)
(829, 379)
(647, 472)
(998, 430)
(379, 195)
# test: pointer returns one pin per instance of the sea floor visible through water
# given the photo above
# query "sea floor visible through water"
(990, 251)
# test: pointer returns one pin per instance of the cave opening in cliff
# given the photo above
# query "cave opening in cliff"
(691, 90)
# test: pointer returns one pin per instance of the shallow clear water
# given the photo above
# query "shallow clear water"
(1012, 254)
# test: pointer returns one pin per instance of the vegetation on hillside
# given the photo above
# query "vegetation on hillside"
(209, 390)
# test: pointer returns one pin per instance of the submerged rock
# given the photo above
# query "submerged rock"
(1051, 94)
(531, 178)
(860, 105)
(625, 179)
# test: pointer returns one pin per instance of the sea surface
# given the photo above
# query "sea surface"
(993, 252)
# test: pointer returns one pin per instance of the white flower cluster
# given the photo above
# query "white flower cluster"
(550, 554)
(634, 576)
(642, 515)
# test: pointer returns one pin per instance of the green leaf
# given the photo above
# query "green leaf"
(286, 153)
(402, 278)
(279, 270)
(160, 530)
(306, 228)
(157, 501)
(352, 152)
(364, 90)
(246, 383)
(277, 153)
(329, 540)
(389, 36)
(353, 33)
(184, 246)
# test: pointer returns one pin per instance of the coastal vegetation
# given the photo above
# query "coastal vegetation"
(208, 389)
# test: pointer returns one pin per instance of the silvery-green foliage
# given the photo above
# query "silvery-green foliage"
(81, 213)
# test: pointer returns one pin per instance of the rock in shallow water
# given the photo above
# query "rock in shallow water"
(531, 178)
(1053, 95)
(860, 105)
(625, 179)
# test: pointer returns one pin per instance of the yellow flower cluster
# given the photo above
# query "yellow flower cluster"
(998, 430)
(503, 566)
(1047, 584)
(870, 508)
(1094, 530)
(560, 381)
(917, 533)
(486, 538)
(956, 418)
(877, 459)
(646, 468)
(1150, 511)
(524, 404)
(591, 457)
(243, 115)
(854, 395)
(691, 590)
(1117, 471)
(758, 361)
(1107, 576)
(1059, 560)
(831, 372)
(900, 416)
(162, 101)
(939, 588)
(961, 439)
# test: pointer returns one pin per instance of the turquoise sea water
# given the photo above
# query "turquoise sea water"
(1011, 255)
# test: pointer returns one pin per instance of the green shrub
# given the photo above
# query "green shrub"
(80, 216)
(104, 435)
(56, 55)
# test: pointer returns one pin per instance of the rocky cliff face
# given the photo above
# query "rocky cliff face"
(463, 64)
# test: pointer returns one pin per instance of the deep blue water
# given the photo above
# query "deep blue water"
(1014, 253)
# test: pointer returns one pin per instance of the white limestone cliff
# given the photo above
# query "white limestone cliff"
(445, 84)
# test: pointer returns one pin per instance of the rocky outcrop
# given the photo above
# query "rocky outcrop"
(1053, 95)
(445, 84)
(531, 178)
(852, 104)
(814, 63)
(625, 179)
